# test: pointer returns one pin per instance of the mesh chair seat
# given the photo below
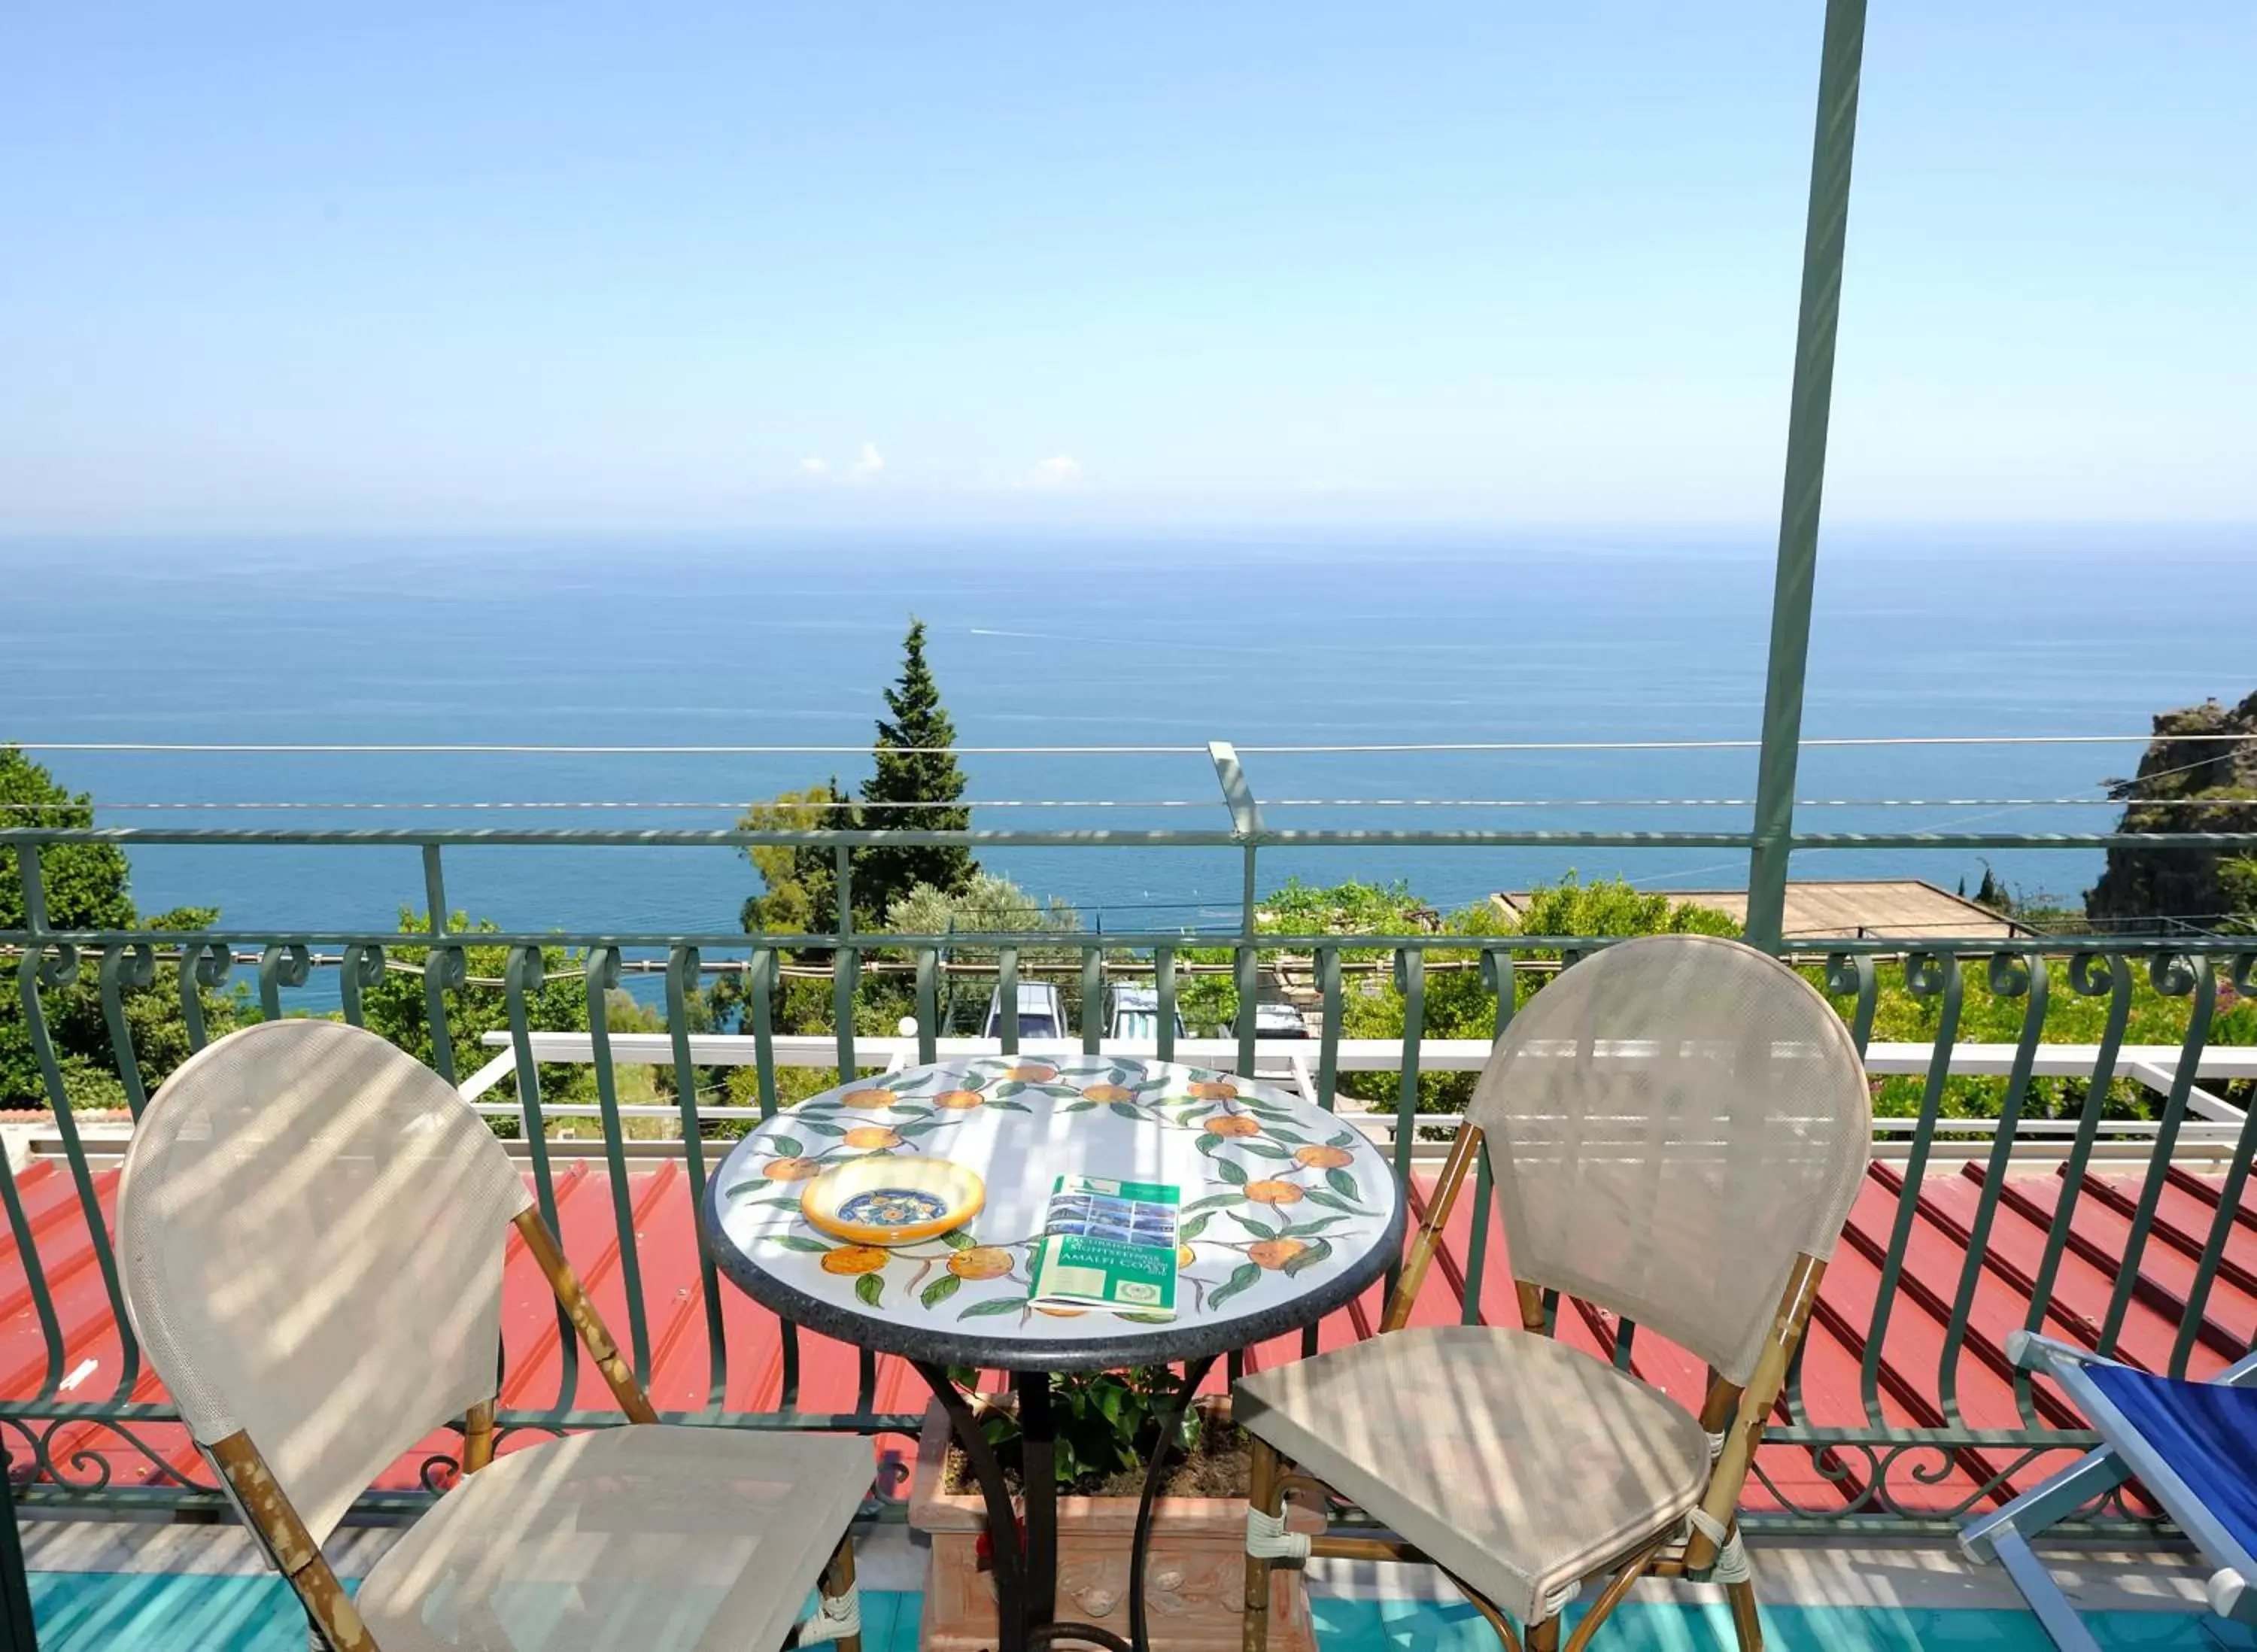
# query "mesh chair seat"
(653, 1539)
(1518, 1465)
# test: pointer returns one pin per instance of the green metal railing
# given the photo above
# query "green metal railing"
(1871, 1466)
(1880, 1468)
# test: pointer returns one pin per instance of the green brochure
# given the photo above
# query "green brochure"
(1108, 1243)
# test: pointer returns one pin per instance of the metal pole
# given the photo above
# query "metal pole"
(17, 1631)
(1806, 466)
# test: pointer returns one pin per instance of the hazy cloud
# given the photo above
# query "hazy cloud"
(870, 464)
(1060, 470)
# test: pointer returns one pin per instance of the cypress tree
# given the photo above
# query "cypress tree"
(914, 764)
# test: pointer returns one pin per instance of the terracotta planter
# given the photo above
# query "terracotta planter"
(1195, 1579)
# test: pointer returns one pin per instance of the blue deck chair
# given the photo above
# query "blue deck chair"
(2192, 1444)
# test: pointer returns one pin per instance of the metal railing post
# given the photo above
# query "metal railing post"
(1823, 236)
(17, 1632)
(16, 1628)
(1246, 827)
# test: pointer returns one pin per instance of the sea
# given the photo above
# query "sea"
(1297, 646)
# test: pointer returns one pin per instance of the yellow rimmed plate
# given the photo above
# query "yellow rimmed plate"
(889, 1200)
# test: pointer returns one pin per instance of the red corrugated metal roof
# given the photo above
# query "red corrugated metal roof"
(1910, 1393)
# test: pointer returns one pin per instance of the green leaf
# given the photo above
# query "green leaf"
(940, 1290)
(1243, 1276)
(823, 1129)
(1254, 1224)
(1345, 1138)
(1147, 1320)
(914, 1084)
(993, 1305)
(1234, 1174)
(1302, 1230)
(908, 1133)
(1011, 1088)
(1125, 1111)
(800, 1242)
(1318, 1251)
(786, 1146)
(1058, 1090)
(1210, 1145)
(871, 1288)
(1342, 1183)
(1196, 1226)
(1287, 1136)
(1332, 1202)
(1262, 1149)
(1010, 1106)
(1160, 1082)
(959, 1239)
(1211, 1202)
(1078, 1106)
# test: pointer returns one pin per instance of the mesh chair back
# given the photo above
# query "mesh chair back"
(311, 1225)
(1671, 1121)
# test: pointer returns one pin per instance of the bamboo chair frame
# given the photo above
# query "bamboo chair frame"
(1736, 1414)
(336, 1622)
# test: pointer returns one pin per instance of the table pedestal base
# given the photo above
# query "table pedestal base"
(1024, 1548)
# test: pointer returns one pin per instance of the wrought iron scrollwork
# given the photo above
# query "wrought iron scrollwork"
(284, 964)
(360, 967)
(75, 1463)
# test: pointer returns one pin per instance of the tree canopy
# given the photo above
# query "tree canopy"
(800, 884)
(87, 887)
(913, 765)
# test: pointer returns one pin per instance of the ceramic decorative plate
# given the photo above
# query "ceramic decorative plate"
(889, 1200)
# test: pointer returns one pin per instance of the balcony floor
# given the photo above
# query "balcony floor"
(80, 1612)
(156, 1588)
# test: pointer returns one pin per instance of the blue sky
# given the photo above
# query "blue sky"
(711, 265)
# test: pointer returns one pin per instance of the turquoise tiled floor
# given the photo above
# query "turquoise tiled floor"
(95, 1611)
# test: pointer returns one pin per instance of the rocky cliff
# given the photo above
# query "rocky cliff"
(2203, 886)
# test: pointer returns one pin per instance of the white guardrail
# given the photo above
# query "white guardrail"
(2211, 1126)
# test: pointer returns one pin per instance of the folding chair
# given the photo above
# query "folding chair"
(312, 1227)
(2192, 1444)
(1678, 1125)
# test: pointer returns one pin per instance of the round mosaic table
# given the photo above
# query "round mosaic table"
(1286, 1214)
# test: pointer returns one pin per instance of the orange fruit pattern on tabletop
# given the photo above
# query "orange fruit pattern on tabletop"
(981, 1262)
(1275, 1253)
(1273, 1192)
(854, 1258)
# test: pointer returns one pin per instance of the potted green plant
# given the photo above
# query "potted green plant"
(1107, 1424)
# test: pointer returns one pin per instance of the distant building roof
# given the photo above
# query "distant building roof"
(1908, 907)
